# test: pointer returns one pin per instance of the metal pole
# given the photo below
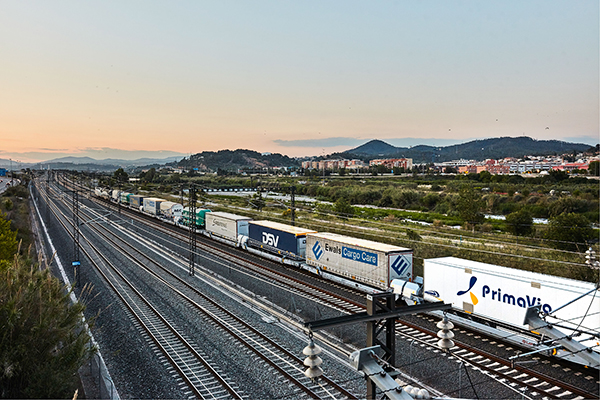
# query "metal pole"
(193, 245)
(293, 206)
(76, 261)
(459, 378)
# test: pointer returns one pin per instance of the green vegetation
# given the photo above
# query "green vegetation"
(436, 215)
(42, 341)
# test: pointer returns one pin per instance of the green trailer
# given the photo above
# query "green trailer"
(200, 217)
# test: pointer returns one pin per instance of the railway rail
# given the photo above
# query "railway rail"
(274, 355)
(535, 384)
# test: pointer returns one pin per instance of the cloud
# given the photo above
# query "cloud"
(323, 142)
(355, 142)
(98, 153)
(591, 140)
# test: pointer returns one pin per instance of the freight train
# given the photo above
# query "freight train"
(361, 264)
(489, 298)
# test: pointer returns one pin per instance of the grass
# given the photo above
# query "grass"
(435, 241)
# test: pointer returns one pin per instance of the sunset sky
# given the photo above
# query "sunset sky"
(129, 79)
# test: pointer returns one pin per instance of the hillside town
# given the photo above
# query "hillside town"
(509, 165)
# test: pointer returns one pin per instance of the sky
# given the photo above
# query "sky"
(130, 79)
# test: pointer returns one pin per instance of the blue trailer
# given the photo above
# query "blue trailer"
(278, 238)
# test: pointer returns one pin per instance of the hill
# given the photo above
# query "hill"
(233, 160)
(112, 161)
(474, 150)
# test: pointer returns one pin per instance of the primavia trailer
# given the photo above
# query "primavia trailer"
(495, 299)
(370, 263)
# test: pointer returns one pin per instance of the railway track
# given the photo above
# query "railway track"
(526, 380)
(194, 367)
(273, 355)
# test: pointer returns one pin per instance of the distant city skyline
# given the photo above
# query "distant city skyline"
(129, 80)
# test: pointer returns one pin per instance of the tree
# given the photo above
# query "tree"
(519, 223)
(8, 242)
(569, 231)
(42, 340)
(343, 208)
(469, 206)
(121, 176)
(594, 168)
(413, 235)
(257, 200)
(149, 175)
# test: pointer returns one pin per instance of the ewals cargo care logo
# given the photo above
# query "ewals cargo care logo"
(317, 250)
(359, 255)
(400, 265)
(519, 300)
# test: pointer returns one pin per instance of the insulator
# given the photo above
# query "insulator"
(445, 344)
(445, 324)
(423, 394)
(414, 391)
(313, 361)
(408, 389)
(312, 349)
(313, 373)
(445, 334)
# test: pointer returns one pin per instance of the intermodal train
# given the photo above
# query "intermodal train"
(361, 264)
(489, 298)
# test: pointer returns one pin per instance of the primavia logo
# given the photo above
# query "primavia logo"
(317, 250)
(474, 298)
(525, 301)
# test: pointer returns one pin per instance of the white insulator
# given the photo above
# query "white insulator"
(423, 394)
(313, 361)
(414, 391)
(443, 334)
(313, 373)
(408, 389)
(445, 324)
(312, 349)
(445, 344)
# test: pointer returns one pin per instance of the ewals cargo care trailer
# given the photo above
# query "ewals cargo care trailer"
(374, 264)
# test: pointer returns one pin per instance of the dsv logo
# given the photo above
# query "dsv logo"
(474, 298)
(270, 239)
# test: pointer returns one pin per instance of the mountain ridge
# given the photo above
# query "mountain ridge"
(479, 149)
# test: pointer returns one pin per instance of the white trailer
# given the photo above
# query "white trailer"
(374, 264)
(226, 225)
(152, 205)
(502, 296)
(115, 194)
(171, 209)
